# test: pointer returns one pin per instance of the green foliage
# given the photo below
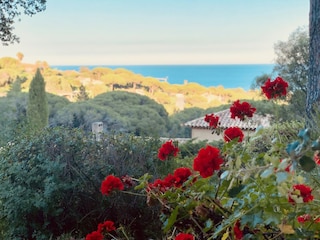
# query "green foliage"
(251, 188)
(49, 184)
(176, 128)
(100, 80)
(82, 95)
(83, 114)
(141, 115)
(37, 110)
(16, 86)
(11, 12)
(12, 117)
(55, 103)
(292, 64)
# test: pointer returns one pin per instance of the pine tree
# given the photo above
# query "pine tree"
(37, 109)
(82, 95)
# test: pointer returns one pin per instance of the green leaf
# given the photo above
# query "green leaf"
(266, 173)
(307, 163)
(253, 220)
(171, 220)
(291, 147)
(315, 145)
(304, 134)
(233, 192)
(281, 176)
(208, 225)
(224, 174)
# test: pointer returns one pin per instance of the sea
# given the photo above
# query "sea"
(226, 75)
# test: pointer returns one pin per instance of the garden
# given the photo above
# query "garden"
(62, 184)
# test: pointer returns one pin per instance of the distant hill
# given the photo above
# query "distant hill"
(71, 84)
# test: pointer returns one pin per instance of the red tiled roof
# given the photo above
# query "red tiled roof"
(225, 121)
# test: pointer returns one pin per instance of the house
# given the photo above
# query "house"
(200, 129)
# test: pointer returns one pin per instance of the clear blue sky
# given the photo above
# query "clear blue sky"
(119, 32)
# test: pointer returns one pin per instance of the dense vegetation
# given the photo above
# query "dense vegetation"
(50, 184)
(50, 179)
(70, 84)
(122, 100)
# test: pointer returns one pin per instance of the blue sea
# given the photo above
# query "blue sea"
(226, 75)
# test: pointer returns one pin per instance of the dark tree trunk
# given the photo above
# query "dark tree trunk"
(313, 87)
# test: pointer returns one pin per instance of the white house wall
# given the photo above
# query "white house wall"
(206, 134)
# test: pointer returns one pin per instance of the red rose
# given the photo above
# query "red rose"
(111, 183)
(232, 133)
(162, 185)
(212, 120)
(275, 89)
(303, 218)
(316, 157)
(107, 226)
(207, 161)
(301, 191)
(241, 110)
(184, 236)
(96, 235)
(181, 175)
(127, 180)
(167, 149)
(237, 231)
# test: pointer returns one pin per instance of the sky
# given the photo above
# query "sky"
(143, 32)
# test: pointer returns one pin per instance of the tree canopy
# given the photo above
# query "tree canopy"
(10, 12)
(292, 64)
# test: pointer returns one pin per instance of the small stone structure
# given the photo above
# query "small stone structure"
(97, 129)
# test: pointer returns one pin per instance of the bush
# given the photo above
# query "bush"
(50, 184)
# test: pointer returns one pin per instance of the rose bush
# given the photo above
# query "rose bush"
(237, 193)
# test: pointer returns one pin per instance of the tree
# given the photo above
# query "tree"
(16, 86)
(82, 94)
(10, 12)
(37, 110)
(292, 63)
(313, 93)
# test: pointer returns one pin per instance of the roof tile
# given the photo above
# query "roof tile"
(225, 121)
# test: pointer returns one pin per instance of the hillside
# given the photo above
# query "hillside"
(174, 97)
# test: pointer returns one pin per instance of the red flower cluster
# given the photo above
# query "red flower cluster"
(306, 218)
(232, 133)
(241, 110)
(184, 236)
(212, 120)
(127, 180)
(237, 231)
(301, 190)
(316, 157)
(207, 161)
(95, 235)
(275, 89)
(111, 183)
(167, 149)
(179, 176)
(107, 226)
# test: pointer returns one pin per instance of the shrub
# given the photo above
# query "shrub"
(50, 184)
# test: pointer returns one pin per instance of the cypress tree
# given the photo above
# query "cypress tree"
(37, 110)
